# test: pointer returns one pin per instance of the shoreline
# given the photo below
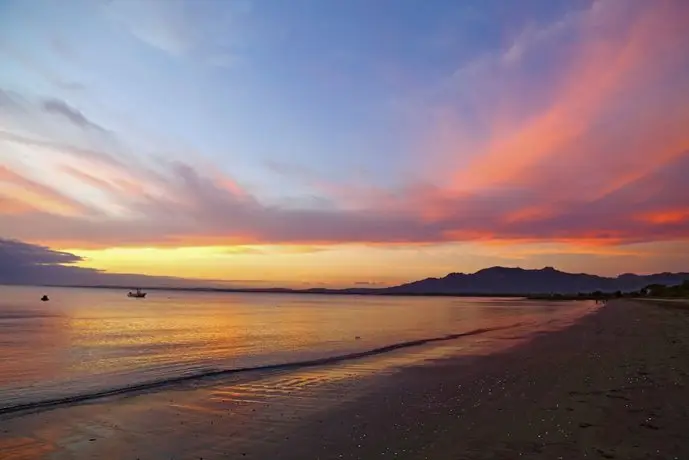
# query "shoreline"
(612, 385)
(206, 376)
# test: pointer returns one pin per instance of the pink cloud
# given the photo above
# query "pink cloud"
(601, 155)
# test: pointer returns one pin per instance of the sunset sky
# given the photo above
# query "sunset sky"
(343, 142)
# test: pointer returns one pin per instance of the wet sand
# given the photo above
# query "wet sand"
(611, 386)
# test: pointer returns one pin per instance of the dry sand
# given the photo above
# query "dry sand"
(611, 386)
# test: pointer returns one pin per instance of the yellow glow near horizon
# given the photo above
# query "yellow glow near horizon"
(353, 264)
(280, 265)
(287, 265)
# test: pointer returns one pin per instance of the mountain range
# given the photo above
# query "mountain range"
(506, 280)
(519, 281)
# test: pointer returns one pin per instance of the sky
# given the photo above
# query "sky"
(342, 143)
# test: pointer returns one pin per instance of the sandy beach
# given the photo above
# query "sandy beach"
(613, 385)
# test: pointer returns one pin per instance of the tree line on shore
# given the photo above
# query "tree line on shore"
(653, 290)
(676, 291)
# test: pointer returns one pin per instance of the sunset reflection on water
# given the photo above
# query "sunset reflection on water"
(91, 340)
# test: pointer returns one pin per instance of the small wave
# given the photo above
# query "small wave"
(158, 384)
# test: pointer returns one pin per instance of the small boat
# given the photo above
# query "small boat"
(44, 298)
(137, 294)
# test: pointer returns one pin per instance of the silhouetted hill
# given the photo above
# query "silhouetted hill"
(503, 280)
(486, 282)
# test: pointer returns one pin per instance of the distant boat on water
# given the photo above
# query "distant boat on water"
(45, 298)
(137, 294)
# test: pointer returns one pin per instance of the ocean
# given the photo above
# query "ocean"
(86, 343)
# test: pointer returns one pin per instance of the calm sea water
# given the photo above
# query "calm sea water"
(92, 340)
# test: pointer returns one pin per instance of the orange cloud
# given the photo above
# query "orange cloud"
(666, 217)
(11, 206)
(34, 195)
